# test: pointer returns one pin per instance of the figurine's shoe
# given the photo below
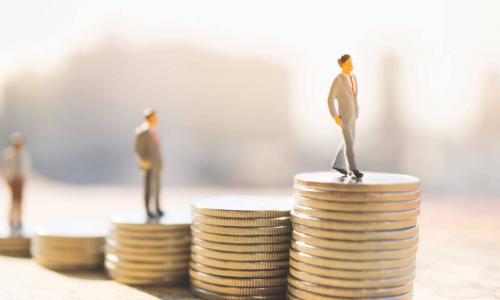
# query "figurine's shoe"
(357, 173)
(150, 215)
(341, 171)
(159, 213)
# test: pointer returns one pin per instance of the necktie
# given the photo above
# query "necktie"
(156, 139)
(352, 84)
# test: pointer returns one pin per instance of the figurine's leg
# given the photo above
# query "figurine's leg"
(19, 202)
(157, 189)
(339, 160)
(12, 206)
(147, 191)
(347, 131)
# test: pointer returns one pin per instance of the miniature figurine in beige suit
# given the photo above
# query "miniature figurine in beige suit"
(344, 89)
(147, 149)
(16, 166)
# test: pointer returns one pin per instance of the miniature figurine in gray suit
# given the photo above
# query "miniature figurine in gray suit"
(345, 90)
(147, 149)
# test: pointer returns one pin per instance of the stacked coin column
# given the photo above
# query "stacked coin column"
(354, 238)
(14, 245)
(240, 247)
(71, 245)
(140, 251)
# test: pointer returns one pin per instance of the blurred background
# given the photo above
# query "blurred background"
(241, 88)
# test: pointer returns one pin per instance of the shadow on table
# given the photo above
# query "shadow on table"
(177, 292)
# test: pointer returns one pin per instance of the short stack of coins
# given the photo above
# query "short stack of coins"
(74, 245)
(354, 238)
(240, 247)
(14, 244)
(145, 251)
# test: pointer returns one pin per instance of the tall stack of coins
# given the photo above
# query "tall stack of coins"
(17, 245)
(354, 238)
(74, 245)
(142, 251)
(240, 247)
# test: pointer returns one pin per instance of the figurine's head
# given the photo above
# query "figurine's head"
(17, 141)
(345, 62)
(151, 117)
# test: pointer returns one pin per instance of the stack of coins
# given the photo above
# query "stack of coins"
(17, 245)
(142, 251)
(240, 247)
(354, 238)
(75, 245)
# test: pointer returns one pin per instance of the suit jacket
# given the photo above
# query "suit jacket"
(347, 102)
(146, 148)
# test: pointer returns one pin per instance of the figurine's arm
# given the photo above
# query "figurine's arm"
(331, 105)
(140, 151)
(356, 98)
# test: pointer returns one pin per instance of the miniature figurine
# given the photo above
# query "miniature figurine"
(147, 148)
(345, 90)
(16, 165)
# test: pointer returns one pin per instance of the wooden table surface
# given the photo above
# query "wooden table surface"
(458, 258)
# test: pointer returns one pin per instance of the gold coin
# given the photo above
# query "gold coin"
(251, 222)
(14, 247)
(241, 247)
(244, 207)
(15, 253)
(74, 232)
(278, 230)
(238, 290)
(326, 224)
(173, 264)
(352, 274)
(173, 220)
(371, 182)
(357, 217)
(73, 264)
(305, 295)
(254, 256)
(349, 283)
(350, 264)
(183, 241)
(14, 241)
(113, 246)
(240, 239)
(67, 241)
(350, 197)
(358, 206)
(358, 235)
(238, 273)
(150, 258)
(153, 235)
(149, 274)
(217, 296)
(237, 282)
(240, 265)
(65, 253)
(131, 280)
(355, 245)
(354, 293)
(354, 255)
